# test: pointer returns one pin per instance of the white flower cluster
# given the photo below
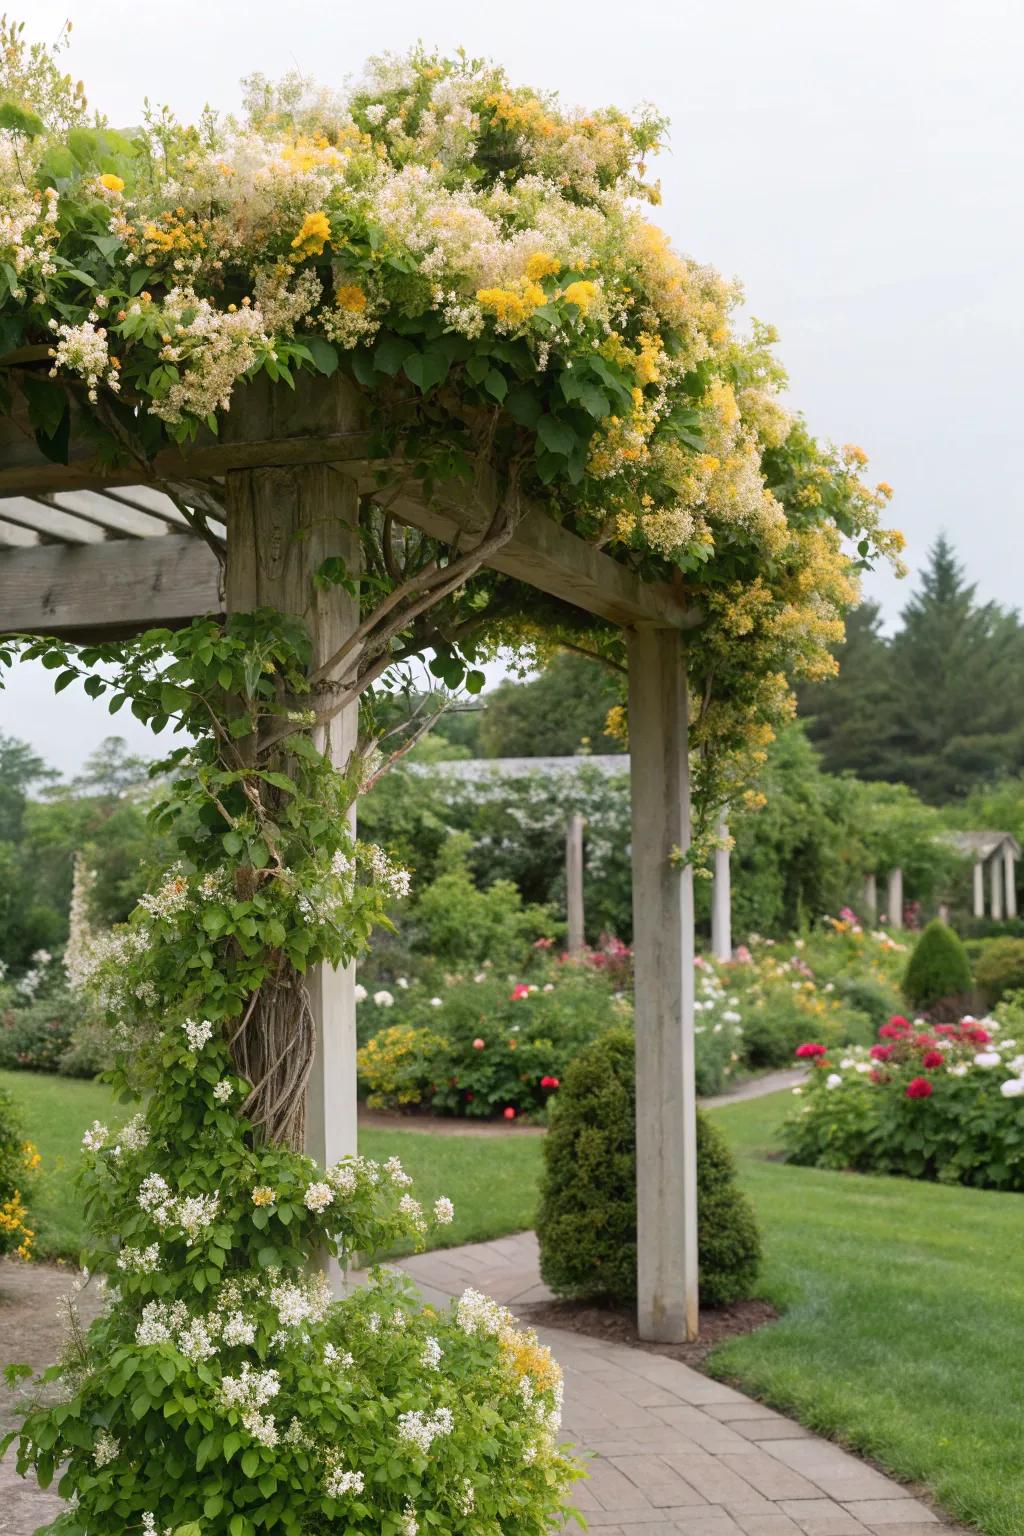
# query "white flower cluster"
(249, 1393)
(197, 1035)
(139, 1261)
(223, 1091)
(421, 1429)
(430, 1359)
(191, 1214)
(318, 1197)
(391, 877)
(478, 1314)
(105, 1449)
(338, 1481)
(95, 1138)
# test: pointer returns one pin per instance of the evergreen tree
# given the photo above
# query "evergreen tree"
(847, 716)
(954, 686)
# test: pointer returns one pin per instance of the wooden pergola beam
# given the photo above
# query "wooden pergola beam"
(271, 427)
(113, 587)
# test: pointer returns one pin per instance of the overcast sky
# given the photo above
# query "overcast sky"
(857, 163)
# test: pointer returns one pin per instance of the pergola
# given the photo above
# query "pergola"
(89, 554)
(996, 852)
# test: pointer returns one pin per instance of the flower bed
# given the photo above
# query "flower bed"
(926, 1101)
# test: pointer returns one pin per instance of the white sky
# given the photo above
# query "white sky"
(857, 163)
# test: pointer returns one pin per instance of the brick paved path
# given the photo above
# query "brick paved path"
(668, 1450)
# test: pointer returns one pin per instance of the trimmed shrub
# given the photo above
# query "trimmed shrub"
(999, 968)
(399, 1066)
(939, 968)
(586, 1224)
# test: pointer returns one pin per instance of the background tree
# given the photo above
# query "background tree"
(847, 716)
(555, 714)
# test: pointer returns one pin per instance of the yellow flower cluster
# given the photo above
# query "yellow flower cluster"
(313, 235)
(509, 306)
(13, 1225)
(525, 1356)
(263, 1195)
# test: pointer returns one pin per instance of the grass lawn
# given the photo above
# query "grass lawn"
(903, 1303)
(493, 1190)
(903, 1321)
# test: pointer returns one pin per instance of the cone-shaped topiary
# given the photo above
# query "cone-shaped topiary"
(938, 968)
(587, 1219)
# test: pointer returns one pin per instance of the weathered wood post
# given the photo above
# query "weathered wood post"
(721, 898)
(283, 522)
(995, 877)
(1009, 860)
(894, 900)
(574, 883)
(666, 1122)
(979, 888)
(871, 897)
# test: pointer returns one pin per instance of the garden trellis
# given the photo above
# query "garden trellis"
(281, 491)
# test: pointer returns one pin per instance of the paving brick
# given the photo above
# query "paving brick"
(905, 1511)
(768, 1525)
(770, 1477)
(821, 1517)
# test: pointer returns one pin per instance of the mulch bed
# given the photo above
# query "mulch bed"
(618, 1325)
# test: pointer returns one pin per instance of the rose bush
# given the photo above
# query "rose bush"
(928, 1101)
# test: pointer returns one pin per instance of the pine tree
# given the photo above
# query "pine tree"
(847, 716)
(955, 679)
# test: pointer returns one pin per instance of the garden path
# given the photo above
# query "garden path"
(670, 1452)
(441, 1125)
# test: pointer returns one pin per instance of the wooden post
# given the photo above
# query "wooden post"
(995, 876)
(895, 898)
(666, 1122)
(574, 883)
(1009, 860)
(979, 888)
(282, 524)
(721, 899)
(871, 897)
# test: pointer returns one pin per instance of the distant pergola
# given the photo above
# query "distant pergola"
(994, 854)
(89, 555)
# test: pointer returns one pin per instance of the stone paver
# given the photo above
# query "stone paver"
(669, 1452)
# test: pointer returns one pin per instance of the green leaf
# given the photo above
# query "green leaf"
(390, 353)
(362, 367)
(426, 370)
(251, 1462)
(523, 406)
(46, 401)
(556, 436)
(496, 385)
(324, 355)
(18, 119)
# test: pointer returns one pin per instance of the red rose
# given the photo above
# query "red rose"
(881, 1052)
(978, 1035)
(919, 1088)
(878, 1077)
(932, 1059)
(549, 1082)
(509, 1113)
(478, 1044)
(809, 1051)
(518, 992)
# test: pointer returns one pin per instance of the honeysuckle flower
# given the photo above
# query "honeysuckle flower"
(444, 1211)
(263, 1195)
(318, 1197)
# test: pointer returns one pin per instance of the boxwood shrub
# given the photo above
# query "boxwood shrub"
(939, 971)
(586, 1224)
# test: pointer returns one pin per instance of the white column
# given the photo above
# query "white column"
(574, 883)
(666, 1119)
(282, 524)
(1011, 881)
(871, 897)
(894, 900)
(979, 888)
(995, 878)
(721, 899)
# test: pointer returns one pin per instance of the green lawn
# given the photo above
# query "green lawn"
(903, 1303)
